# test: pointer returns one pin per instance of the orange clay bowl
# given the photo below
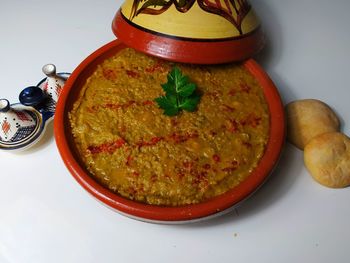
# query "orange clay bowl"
(162, 214)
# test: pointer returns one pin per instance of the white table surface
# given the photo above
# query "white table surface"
(45, 216)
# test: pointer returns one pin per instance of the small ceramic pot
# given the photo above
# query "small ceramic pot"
(52, 87)
(20, 126)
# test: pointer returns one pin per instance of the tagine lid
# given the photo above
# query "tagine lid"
(190, 31)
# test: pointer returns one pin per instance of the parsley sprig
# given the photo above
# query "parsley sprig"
(180, 94)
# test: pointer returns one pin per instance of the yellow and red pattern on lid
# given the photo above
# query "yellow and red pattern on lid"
(192, 31)
(201, 19)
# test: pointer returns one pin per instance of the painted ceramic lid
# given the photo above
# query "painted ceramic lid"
(190, 31)
(20, 126)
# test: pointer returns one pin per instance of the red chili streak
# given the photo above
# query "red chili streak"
(232, 126)
(256, 122)
(179, 138)
(159, 66)
(112, 106)
(136, 174)
(251, 120)
(119, 106)
(206, 166)
(153, 178)
(152, 142)
(188, 164)
(232, 92)
(111, 147)
(147, 102)
(129, 160)
(109, 74)
(107, 147)
(245, 88)
(216, 158)
(132, 73)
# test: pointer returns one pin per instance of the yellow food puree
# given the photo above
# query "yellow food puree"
(129, 146)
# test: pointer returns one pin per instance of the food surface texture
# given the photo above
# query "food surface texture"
(128, 145)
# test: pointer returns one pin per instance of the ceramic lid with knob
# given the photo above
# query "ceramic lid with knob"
(190, 31)
(20, 126)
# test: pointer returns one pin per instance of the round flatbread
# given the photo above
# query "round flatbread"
(307, 119)
(327, 157)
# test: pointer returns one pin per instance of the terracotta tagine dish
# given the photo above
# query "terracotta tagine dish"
(173, 122)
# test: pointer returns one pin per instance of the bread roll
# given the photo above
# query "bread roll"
(307, 119)
(327, 157)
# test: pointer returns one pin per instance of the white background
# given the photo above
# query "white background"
(45, 216)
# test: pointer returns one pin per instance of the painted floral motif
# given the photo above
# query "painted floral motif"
(46, 87)
(232, 10)
(6, 127)
(58, 90)
(22, 116)
(52, 87)
(16, 125)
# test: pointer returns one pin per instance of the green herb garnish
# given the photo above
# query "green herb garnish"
(180, 94)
